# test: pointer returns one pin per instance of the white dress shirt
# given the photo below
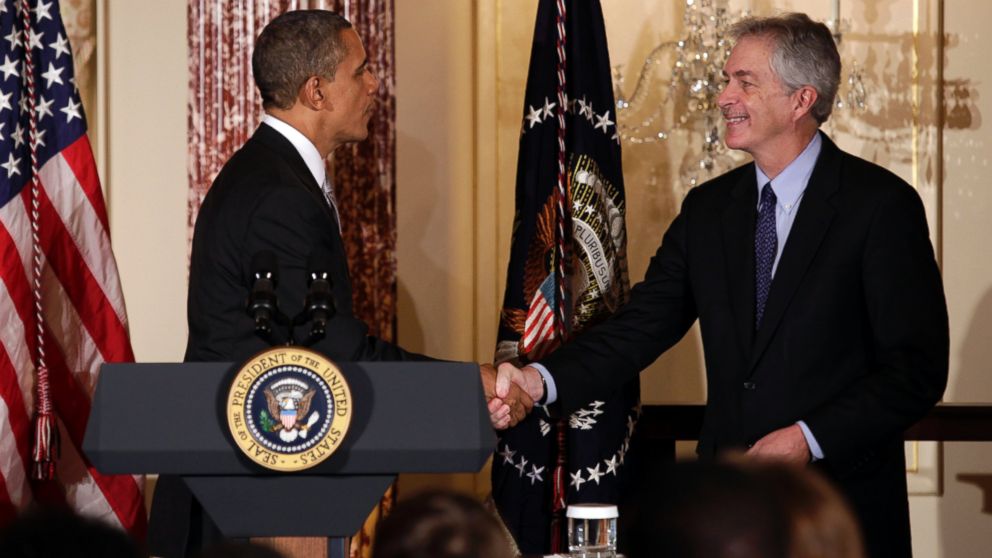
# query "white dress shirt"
(311, 157)
(303, 146)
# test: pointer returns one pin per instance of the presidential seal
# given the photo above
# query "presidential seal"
(289, 408)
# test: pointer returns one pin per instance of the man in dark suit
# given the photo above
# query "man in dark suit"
(812, 276)
(273, 195)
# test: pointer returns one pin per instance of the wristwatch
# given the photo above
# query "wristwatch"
(544, 387)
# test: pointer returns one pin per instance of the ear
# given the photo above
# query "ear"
(312, 95)
(802, 101)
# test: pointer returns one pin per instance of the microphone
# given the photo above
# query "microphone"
(262, 305)
(319, 303)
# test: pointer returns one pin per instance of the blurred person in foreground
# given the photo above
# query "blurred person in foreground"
(821, 523)
(812, 275)
(740, 509)
(441, 525)
(58, 533)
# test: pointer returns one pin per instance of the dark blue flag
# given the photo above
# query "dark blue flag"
(567, 272)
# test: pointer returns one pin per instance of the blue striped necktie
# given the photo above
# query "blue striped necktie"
(765, 247)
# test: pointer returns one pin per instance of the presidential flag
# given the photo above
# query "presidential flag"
(567, 272)
(60, 296)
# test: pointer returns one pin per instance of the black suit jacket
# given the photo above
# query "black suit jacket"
(854, 340)
(265, 198)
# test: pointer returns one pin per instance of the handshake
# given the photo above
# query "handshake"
(510, 392)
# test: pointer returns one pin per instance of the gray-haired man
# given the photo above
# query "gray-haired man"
(812, 276)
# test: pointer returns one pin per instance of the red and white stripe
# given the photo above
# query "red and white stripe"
(539, 327)
(84, 325)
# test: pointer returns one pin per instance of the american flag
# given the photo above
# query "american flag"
(539, 328)
(81, 306)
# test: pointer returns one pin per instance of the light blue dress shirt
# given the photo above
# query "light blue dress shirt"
(789, 187)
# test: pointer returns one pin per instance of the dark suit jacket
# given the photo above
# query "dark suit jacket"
(265, 198)
(854, 339)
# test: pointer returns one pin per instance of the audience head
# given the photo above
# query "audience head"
(822, 524)
(741, 509)
(706, 510)
(55, 533)
(441, 525)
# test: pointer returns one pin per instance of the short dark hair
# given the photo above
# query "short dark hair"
(440, 524)
(805, 54)
(293, 47)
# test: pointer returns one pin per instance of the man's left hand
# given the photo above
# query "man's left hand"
(785, 444)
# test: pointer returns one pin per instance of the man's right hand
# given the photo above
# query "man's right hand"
(506, 410)
(526, 378)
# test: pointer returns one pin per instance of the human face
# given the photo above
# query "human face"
(757, 110)
(351, 94)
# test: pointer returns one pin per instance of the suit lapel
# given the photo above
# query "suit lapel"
(276, 142)
(738, 246)
(812, 222)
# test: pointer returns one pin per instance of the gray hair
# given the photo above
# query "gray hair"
(805, 54)
(293, 47)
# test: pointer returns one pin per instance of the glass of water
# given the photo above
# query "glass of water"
(592, 530)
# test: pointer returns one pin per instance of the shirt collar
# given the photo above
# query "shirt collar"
(790, 184)
(303, 146)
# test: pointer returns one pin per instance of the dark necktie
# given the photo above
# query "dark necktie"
(765, 246)
(331, 200)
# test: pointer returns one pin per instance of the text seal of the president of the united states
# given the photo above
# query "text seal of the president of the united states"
(289, 408)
